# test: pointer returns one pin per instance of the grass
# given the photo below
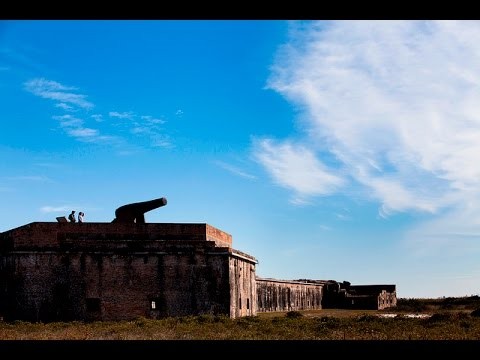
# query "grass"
(328, 324)
(449, 319)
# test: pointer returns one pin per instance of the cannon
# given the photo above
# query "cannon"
(135, 212)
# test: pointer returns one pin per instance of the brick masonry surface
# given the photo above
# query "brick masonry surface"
(105, 271)
(120, 271)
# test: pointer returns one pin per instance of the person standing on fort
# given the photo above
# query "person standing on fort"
(71, 217)
(80, 217)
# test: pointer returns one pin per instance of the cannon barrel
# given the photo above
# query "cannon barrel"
(135, 212)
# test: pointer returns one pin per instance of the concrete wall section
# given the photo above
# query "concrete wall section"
(283, 295)
(243, 286)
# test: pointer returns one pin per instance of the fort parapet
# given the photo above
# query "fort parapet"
(49, 235)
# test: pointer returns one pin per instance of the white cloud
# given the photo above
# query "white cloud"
(49, 165)
(51, 209)
(64, 106)
(68, 120)
(150, 128)
(394, 104)
(122, 115)
(325, 227)
(179, 112)
(139, 130)
(151, 120)
(84, 134)
(160, 141)
(40, 178)
(457, 230)
(75, 126)
(297, 168)
(97, 117)
(235, 170)
(342, 216)
(53, 90)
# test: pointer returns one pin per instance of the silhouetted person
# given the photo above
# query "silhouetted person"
(71, 217)
(80, 217)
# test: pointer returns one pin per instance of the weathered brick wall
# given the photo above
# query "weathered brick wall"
(387, 299)
(283, 295)
(220, 237)
(376, 297)
(114, 271)
(243, 289)
(56, 286)
(103, 271)
(366, 302)
(47, 235)
(35, 286)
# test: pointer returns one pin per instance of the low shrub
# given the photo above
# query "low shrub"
(293, 314)
(368, 318)
(475, 313)
(440, 317)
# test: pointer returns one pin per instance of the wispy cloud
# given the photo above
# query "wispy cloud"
(151, 120)
(48, 165)
(122, 115)
(179, 112)
(395, 104)
(64, 106)
(456, 230)
(56, 209)
(145, 128)
(342, 216)
(73, 127)
(68, 120)
(83, 133)
(297, 168)
(20, 58)
(235, 170)
(53, 90)
(394, 108)
(97, 117)
(39, 178)
(159, 140)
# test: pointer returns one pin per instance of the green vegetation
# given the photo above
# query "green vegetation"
(456, 319)
(448, 303)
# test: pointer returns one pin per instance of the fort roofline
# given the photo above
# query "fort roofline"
(48, 235)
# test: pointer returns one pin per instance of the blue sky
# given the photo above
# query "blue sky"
(344, 150)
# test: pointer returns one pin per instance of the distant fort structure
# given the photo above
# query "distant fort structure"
(63, 271)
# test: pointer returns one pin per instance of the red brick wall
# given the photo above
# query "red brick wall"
(55, 286)
(113, 271)
(45, 235)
